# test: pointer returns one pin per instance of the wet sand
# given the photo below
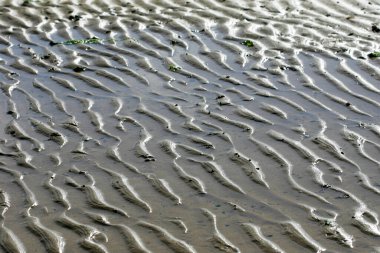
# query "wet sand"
(189, 126)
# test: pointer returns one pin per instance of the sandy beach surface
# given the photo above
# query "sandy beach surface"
(190, 126)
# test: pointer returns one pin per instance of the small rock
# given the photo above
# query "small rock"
(375, 29)
(75, 17)
(79, 69)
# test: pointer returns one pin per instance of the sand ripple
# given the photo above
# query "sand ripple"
(165, 130)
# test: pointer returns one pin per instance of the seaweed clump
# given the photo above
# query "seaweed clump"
(374, 55)
(93, 40)
(174, 68)
(247, 43)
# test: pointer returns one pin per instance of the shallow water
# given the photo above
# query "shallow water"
(171, 135)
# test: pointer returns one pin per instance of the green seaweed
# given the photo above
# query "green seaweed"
(174, 68)
(247, 43)
(93, 40)
(374, 55)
